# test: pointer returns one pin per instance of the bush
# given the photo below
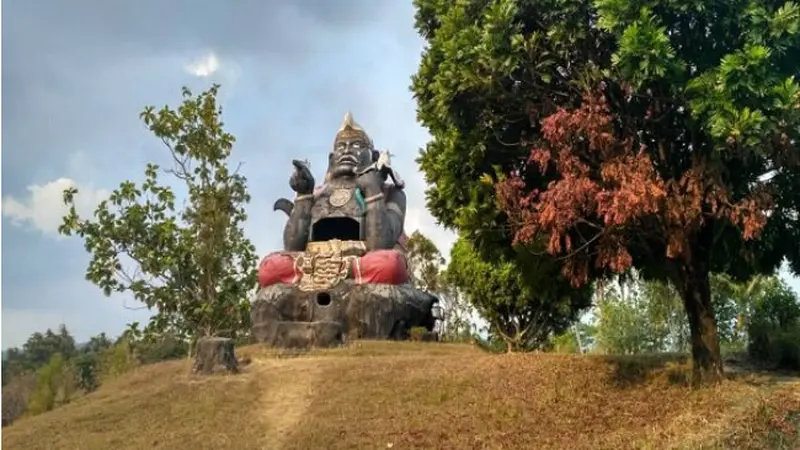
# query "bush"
(417, 333)
(161, 348)
(116, 360)
(788, 348)
(775, 347)
(53, 382)
(87, 371)
(565, 343)
(490, 345)
(774, 329)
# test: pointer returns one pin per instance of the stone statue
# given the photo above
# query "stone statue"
(343, 272)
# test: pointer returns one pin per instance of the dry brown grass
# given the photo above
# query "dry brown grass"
(417, 395)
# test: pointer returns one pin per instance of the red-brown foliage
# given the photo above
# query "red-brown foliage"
(608, 183)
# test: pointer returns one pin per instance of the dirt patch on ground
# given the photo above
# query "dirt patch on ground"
(286, 400)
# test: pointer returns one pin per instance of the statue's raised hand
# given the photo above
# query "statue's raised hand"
(301, 181)
(370, 181)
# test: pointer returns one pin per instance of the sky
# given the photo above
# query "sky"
(77, 74)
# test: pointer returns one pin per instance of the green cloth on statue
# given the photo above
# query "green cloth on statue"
(360, 199)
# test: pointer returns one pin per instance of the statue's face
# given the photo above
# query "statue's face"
(349, 155)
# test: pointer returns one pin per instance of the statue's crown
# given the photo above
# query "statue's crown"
(351, 130)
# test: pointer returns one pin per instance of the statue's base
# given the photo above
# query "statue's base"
(286, 317)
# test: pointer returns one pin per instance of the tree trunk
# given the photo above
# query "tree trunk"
(215, 353)
(692, 281)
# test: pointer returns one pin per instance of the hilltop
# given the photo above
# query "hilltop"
(411, 395)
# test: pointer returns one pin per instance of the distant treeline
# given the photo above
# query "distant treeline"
(51, 369)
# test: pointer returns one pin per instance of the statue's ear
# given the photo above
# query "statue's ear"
(330, 159)
(375, 155)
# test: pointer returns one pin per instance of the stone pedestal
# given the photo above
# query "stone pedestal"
(284, 316)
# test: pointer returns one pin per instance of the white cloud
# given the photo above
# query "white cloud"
(44, 207)
(204, 66)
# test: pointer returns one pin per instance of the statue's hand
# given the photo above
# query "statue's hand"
(370, 182)
(301, 180)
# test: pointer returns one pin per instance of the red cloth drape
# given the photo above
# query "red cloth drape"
(376, 267)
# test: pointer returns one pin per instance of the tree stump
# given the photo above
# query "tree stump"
(215, 354)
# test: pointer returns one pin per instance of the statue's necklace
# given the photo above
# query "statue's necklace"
(340, 197)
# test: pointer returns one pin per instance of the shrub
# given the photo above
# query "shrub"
(565, 343)
(161, 348)
(774, 329)
(785, 349)
(116, 360)
(51, 380)
(417, 333)
(87, 371)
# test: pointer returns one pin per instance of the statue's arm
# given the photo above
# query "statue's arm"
(396, 212)
(384, 219)
(296, 232)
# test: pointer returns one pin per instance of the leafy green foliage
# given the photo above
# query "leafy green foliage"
(522, 309)
(636, 317)
(424, 262)
(417, 333)
(642, 316)
(457, 323)
(27, 381)
(192, 265)
(425, 265)
(566, 342)
(161, 348)
(659, 135)
(51, 380)
(774, 326)
(117, 360)
(87, 368)
(37, 352)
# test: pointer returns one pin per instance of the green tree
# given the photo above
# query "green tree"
(117, 359)
(425, 262)
(87, 371)
(524, 300)
(97, 344)
(37, 352)
(733, 302)
(426, 266)
(665, 310)
(163, 347)
(40, 347)
(773, 325)
(192, 265)
(627, 325)
(457, 323)
(51, 380)
(651, 317)
(659, 135)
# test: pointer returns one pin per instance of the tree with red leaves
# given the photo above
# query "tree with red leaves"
(619, 134)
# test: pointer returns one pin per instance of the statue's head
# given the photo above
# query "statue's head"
(352, 150)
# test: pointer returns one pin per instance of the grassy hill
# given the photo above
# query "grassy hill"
(429, 396)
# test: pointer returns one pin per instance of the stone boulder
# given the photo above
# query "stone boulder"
(286, 317)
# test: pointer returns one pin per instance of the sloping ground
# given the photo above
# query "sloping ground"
(427, 396)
